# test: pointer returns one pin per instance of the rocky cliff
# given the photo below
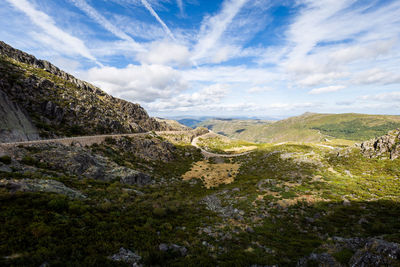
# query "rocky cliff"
(385, 146)
(56, 103)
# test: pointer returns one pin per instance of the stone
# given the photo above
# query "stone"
(173, 248)
(377, 252)
(40, 185)
(127, 256)
(386, 144)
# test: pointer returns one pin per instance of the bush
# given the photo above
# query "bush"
(5, 159)
(58, 204)
(160, 212)
(28, 160)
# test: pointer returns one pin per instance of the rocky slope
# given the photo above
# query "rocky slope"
(385, 146)
(39, 95)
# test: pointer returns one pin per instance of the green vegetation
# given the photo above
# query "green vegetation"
(5, 159)
(356, 129)
(291, 196)
(309, 127)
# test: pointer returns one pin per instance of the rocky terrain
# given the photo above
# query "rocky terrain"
(155, 199)
(37, 98)
(385, 146)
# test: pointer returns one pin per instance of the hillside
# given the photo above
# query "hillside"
(133, 201)
(189, 197)
(44, 100)
(309, 127)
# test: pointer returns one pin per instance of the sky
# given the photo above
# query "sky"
(253, 58)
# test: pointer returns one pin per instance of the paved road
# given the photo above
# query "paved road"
(83, 140)
(90, 140)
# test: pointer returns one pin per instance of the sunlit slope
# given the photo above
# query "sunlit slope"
(309, 127)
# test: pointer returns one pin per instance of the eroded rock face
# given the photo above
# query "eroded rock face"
(15, 124)
(148, 148)
(59, 104)
(388, 144)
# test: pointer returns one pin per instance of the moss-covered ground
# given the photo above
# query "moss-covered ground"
(284, 203)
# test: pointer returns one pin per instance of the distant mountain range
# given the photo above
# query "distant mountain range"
(309, 127)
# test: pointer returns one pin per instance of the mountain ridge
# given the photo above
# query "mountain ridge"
(58, 104)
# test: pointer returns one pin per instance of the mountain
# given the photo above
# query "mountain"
(190, 122)
(309, 127)
(40, 100)
(190, 197)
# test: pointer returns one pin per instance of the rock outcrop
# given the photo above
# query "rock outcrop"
(387, 145)
(366, 252)
(126, 256)
(40, 185)
(59, 104)
(73, 160)
(15, 125)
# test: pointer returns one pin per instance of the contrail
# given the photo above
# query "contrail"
(180, 5)
(151, 10)
(100, 19)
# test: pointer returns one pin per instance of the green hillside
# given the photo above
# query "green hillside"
(309, 127)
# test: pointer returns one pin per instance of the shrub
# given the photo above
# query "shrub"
(160, 212)
(5, 159)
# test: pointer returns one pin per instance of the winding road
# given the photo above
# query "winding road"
(97, 139)
(207, 154)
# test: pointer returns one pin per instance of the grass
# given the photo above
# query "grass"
(42, 227)
(309, 127)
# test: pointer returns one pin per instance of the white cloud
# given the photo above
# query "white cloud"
(376, 76)
(162, 23)
(259, 89)
(146, 83)
(203, 99)
(52, 35)
(166, 52)
(383, 97)
(333, 39)
(328, 89)
(232, 74)
(91, 12)
(213, 27)
(321, 78)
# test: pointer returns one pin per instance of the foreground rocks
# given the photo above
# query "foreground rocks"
(386, 145)
(367, 252)
(126, 256)
(39, 185)
(73, 160)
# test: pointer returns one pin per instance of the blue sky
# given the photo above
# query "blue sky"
(221, 57)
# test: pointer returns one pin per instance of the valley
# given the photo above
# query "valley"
(101, 183)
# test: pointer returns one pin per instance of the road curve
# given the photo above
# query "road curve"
(207, 154)
(90, 140)
(83, 140)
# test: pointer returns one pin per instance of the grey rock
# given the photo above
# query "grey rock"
(82, 162)
(323, 259)
(15, 124)
(173, 248)
(377, 252)
(40, 185)
(127, 256)
(386, 144)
